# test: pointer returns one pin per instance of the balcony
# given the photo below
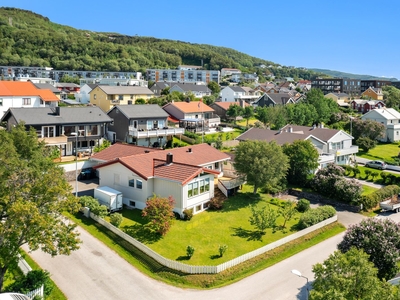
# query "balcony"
(137, 133)
(55, 141)
(213, 120)
(346, 151)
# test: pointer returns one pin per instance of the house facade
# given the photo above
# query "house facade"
(107, 97)
(198, 90)
(194, 116)
(364, 106)
(373, 93)
(183, 75)
(24, 94)
(187, 174)
(71, 129)
(237, 93)
(221, 108)
(142, 125)
(274, 99)
(390, 118)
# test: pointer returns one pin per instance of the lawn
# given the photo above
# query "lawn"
(385, 152)
(226, 136)
(368, 190)
(377, 179)
(244, 121)
(206, 231)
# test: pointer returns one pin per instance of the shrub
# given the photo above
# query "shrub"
(188, 214)
(222, 249)
(94, 206)
(316, 215)
(216, 203)
(372, 200)
(189, 251)
(33, 280)
(159, 214)
(116, 219)
(303, 205)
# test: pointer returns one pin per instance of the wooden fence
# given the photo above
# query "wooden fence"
(189, 269)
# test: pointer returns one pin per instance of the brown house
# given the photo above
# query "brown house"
(364, 106)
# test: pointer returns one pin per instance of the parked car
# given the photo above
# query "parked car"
(376, 164)
(87, 173)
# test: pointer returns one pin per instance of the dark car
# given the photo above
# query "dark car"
(87, 173)
(376, 164)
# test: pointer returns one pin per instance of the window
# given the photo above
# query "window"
(198, 207)
(26, 101)
(216, 165)
(1, 101)
(139, 184)
(149, 124)
(93, 130)
(195, 188)
(129, 102)
(132, 203)
(94, 96)
(120, 97)
(201, 186)
(48, 131)
(207, 184)
(131, 182)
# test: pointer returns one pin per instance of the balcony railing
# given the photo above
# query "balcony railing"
(345, 151)
(55, 141)
(155, 132)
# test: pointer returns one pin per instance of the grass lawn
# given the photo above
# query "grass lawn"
(244, 121)
(382, 151)
(206, 231)
(377, 179)
(226, 136)
(12, 275)
(368, 189)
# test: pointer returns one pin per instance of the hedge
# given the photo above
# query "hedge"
(316, 215)
(372, 200)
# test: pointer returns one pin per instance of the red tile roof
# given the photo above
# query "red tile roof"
(25, 88)
(186, 163)
(192, 106)
(225, 105)
(120, 150)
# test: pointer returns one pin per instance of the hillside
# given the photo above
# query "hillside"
(349, 75)
(29, 39)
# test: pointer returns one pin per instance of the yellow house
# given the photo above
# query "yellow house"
(373, 93)
(106, 97)
(338, 97)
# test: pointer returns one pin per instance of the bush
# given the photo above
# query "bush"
(303, 205)
(188, 214)
(372, 200)
(33, 280)
(189, 251)
(316, 215)
(94, 206)
(222, 249)
(216, 203)
(116, 219)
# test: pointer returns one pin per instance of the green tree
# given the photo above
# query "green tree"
(367, 129)
(380, 239)
(391, 95)
(349, 276)
(248, 113)
(325, 107)
(158, 212)
(262, 218)
(261, 163)
(214, 87)
(301, 114)
(140, 101)
(33, 195)
(287, 212)
(234, 111)
(303, 160)
(262, 115)
(366, 143)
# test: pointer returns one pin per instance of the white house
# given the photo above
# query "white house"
(24, 94)
(236, 93)
(187, 174)
(388, 117)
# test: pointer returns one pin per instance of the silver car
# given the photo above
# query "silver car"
(376, 164)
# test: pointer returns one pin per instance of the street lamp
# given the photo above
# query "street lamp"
(297, 273)
(76, 162)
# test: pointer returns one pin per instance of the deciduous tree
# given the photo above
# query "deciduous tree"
(349, 276)
(158, 212)
(234, 111)
(380, 239)
(33, 194)
(261, 163)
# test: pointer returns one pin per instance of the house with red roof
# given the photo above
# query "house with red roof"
(187, 174)
(194, 116)
(24, 94)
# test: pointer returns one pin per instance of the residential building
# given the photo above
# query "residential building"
(221, 108)
(142, 125)
(365, 84)
(189, 67)
(24, 94)
(67, 89)
(237, 93)
(338, 97)
(137, 81)
(274, 99)
(106, 97)
(69, 128)
(84, 94)
(229, 72)
(328, 85)
(373, 93)
(48, 86)
(244, 77)
(198, 90)
(186, 174)
(194, 116)
(183, 75)
(364, 106)
(333, 145)
(390, 118)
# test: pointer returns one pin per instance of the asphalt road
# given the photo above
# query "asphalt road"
(96, 272)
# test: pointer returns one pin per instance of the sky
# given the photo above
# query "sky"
(359, 37)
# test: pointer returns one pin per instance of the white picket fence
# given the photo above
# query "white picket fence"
(26, 268)
(175, 265)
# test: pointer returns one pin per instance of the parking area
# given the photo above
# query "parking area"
(85, 187)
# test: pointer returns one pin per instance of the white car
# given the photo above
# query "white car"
(376, 164)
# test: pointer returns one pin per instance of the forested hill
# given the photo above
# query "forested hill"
(29, 39)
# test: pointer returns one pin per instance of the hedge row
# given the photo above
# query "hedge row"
(372, 200)
(316, 215)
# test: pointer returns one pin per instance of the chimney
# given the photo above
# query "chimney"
(169, 158)
(190, 150)
(146, 151)
(57, 110)
(290, 129)
(313, 127)
(321, 125)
